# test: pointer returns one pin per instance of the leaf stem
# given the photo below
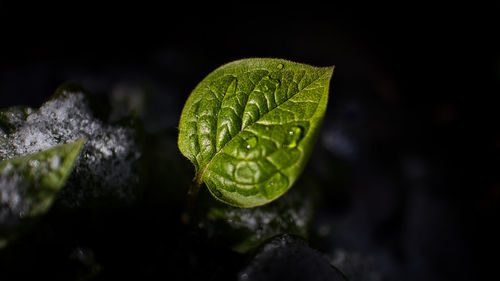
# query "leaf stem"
(192, 193)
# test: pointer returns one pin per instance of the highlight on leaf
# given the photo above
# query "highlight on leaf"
(250, 126)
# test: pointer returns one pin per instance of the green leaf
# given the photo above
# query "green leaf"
(29, 185)
(250, 126)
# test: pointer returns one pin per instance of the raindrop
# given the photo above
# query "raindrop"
(251, 142)
(276, 184)
(280, 66)
(295, 134)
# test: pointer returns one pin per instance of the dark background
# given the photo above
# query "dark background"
(412, 109)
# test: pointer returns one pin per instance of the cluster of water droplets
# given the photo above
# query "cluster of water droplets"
(295, 134)
(251, 142)
(109, 155)
(292, 138)
(249, 171)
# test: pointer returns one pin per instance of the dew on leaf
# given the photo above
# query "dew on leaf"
(251, 142)
(294, 136)
(276, 184)
(280, 66)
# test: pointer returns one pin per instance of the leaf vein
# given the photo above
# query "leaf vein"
(288, 98)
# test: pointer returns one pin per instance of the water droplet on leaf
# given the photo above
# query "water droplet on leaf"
(280, 66)
(251, 142)
(294, 136)
(276, 184)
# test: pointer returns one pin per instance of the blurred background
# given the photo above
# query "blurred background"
(410, 144)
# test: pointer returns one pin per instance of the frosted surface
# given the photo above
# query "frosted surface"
(109, 156)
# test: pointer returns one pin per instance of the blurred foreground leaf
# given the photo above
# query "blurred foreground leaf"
(29, 184)
(108, 173)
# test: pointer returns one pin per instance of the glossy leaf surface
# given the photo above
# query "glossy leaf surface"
(250, 126)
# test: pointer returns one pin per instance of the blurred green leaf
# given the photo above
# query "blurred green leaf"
(29, 184)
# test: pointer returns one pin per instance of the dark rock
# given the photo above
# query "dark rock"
(289, 258)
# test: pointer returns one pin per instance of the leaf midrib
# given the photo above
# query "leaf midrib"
(199, 178)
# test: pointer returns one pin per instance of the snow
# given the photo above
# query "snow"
(109, 155)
